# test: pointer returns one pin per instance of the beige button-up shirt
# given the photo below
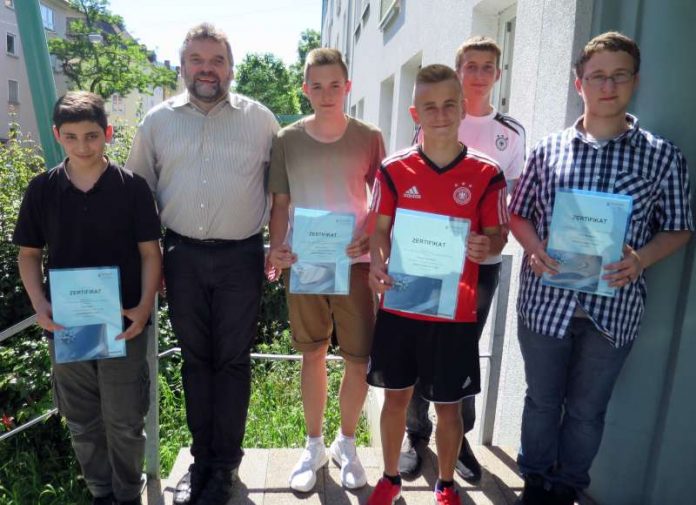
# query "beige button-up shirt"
(207, 171)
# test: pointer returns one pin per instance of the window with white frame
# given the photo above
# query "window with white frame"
(387, 12)
(117, 103)
(13, 91)
(47, 16)
(11, 44)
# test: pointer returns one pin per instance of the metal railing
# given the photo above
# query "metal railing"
(152, 420)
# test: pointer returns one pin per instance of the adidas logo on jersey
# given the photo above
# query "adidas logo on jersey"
(412, 192)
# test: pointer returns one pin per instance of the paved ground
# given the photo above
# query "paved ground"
(264, 480)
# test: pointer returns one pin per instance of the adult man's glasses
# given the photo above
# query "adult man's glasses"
(599, 80)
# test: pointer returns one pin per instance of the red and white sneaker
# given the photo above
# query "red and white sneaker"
(385, 493)
(448, 496)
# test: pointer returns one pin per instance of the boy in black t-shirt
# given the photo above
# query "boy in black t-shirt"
(88, 212)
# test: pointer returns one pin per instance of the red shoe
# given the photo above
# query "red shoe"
(447, 496)
(385, 493)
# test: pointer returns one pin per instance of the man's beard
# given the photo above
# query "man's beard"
(207, 92)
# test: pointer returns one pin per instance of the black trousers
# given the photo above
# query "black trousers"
(418, 423)
(214, 292)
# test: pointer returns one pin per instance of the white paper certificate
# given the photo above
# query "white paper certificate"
(87, 302)
(588, 230)
(320, 238)
(426, 263)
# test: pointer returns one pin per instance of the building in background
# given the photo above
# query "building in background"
(15, 96)
(648, 455)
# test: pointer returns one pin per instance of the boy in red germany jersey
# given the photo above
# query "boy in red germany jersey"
(448, 180)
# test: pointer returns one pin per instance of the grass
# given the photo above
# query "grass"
(38, 466)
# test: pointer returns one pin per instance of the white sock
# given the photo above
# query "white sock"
(315, 440)
(341, 437)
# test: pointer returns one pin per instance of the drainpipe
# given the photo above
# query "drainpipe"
(40, 74)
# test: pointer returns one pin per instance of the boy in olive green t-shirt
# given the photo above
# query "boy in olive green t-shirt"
(327, 161)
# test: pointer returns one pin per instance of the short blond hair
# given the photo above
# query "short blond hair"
(477, 43)
(608, 41)
(435, 73)
(325, 56)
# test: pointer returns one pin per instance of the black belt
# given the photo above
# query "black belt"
(208, 241)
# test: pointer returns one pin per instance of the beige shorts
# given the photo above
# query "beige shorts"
(312, 317)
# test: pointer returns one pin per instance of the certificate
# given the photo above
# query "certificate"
(588, 230)
(87, 302)
(426, 263)
(320, 238)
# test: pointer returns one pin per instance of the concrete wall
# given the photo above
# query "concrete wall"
(650, 444)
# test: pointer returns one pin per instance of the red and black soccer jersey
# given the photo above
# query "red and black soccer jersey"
(472, 186)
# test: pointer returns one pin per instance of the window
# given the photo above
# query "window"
(10, 44)
(47, 17)
(117, 104)
(387, 12)
(13, 88)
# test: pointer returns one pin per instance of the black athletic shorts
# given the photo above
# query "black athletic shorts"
(443, 356)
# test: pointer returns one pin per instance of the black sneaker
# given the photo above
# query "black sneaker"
(104, 500)
(218, 490)
(468, 467)
(191, 485)
(137, 501)
(534, 492)
(562, 494)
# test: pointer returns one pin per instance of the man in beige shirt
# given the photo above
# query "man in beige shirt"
(204, 154)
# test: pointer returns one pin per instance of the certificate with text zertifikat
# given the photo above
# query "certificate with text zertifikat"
(87, 303)
(426, 262)
(588, 230)
(320, 239)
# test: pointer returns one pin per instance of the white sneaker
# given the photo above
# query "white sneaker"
(343, 453)
(304, 474)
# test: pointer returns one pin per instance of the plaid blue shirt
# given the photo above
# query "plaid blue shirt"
(637, 163)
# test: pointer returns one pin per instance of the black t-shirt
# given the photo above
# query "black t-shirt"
(100, 227)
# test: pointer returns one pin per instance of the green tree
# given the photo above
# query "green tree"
(115, 64)
(264, 77)
(309, 39)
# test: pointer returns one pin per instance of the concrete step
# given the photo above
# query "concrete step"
(264, 480)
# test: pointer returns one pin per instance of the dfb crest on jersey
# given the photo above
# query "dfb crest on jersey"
(501, 142)
(462, 195)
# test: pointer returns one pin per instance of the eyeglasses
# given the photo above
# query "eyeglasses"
(599, 80)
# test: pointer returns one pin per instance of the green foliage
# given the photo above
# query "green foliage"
(265, 78)
(118, 149)
(117, 64)
(20, 161)
(39, 467)
(275, 417)
(309, 39)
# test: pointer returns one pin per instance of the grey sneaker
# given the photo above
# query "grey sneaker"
(468, 467)
(409, 459)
